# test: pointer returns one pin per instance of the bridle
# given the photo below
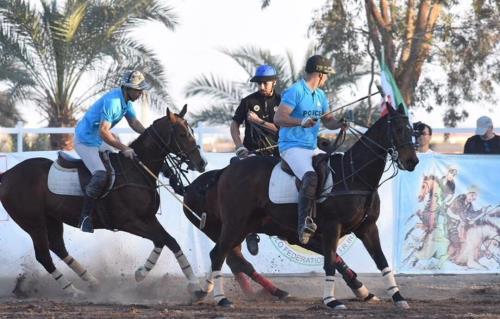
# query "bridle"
(182, 156)
(374, 147)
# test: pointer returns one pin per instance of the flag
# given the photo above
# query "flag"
(392, 94)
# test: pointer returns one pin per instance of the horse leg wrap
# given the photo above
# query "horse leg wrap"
(209, 283)
(264, 282)
(186, 269)
(66, 285)
(244, 283)
(329, 290)
(143, 271)
(80, 271)
(218, 286)
(390, 281)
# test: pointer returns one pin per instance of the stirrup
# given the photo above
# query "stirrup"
(252, 241)
(307, 230)
(86, 224)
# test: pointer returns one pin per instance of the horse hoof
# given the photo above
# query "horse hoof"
(199, 295)
(371, 299)
(336, 305)
(225, 303)
(281, 294)
(402, 304)
(140, 274)
(75, 292)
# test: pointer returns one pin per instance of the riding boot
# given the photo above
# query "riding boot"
(93, 191)
(307, 203)
(86, 218)
(253, 243)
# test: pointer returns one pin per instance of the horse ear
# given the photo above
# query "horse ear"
(169, 114)
(183, 111)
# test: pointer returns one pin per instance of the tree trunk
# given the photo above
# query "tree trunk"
(416, 43)
(62, 141)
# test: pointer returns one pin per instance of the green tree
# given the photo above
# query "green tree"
(440, 52)
(64, 45)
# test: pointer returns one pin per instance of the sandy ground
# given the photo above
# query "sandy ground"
(444, 296)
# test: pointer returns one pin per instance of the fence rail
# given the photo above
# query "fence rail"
(202, 132)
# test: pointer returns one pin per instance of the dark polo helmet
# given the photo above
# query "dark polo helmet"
(317, 63)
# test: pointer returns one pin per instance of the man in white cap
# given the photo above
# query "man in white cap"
(93, 134)
(485, 141)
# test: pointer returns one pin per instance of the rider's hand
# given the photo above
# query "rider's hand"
(308, 122)
(253, 118)
(130, 153)
(242, 152)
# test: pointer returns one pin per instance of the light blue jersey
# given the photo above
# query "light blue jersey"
(111, 108)
(304, 103)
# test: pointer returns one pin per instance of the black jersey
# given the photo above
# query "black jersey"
(264, 107)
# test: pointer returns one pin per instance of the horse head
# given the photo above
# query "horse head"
(175, 136)
(400, 139)
(429, 184)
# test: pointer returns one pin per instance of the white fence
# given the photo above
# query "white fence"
(204, 134)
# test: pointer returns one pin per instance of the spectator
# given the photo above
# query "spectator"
(424, 133)
(485, 141)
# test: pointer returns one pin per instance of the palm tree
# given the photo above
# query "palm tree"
(223, 96)
(65, 45)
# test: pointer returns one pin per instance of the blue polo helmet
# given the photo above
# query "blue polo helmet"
(264, 73)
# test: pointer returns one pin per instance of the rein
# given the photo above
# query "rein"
(391, 150)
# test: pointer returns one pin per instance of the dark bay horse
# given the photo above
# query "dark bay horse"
(131, 205)
(201, 197)
(353, 205)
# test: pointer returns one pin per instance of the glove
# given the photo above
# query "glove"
(130, 153)
(308, 122)
(242, 152)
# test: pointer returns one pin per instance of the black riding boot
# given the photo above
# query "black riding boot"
(307, 203)
(93, 191)
(253, 243)
(86, 218)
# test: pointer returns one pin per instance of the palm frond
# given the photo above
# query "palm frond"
(215, 87)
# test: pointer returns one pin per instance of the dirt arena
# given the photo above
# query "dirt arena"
(444, 296)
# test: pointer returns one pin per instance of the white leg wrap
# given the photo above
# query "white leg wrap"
(152, 259)
(329, 290)
(218, 286)
(390, 281)
(209, 283)
(79, 270)
(186, 267)
(63, 282)
(143, 271)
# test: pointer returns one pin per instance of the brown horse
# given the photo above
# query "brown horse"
(201, 197)
(130, 206)
(353, 205)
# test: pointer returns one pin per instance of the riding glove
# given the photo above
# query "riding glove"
(130, 153)
(242, 152)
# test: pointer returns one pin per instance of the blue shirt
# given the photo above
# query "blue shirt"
(111, 107)
(304, 102)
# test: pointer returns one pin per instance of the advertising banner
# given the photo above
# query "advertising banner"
(448, 215)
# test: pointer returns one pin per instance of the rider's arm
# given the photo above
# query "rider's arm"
(135, 124)
(255, 119)
(330, 122)
(107, 136)
(235, 134)
(283, 117)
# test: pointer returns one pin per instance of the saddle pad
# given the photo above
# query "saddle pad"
(64, 181)
(282, 189)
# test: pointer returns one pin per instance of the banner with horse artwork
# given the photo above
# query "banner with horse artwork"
(448, 215)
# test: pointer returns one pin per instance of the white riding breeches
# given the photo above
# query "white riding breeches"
(90, 155)
(300, 160)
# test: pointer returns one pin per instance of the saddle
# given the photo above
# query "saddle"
(320, 165)
(68, 162)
